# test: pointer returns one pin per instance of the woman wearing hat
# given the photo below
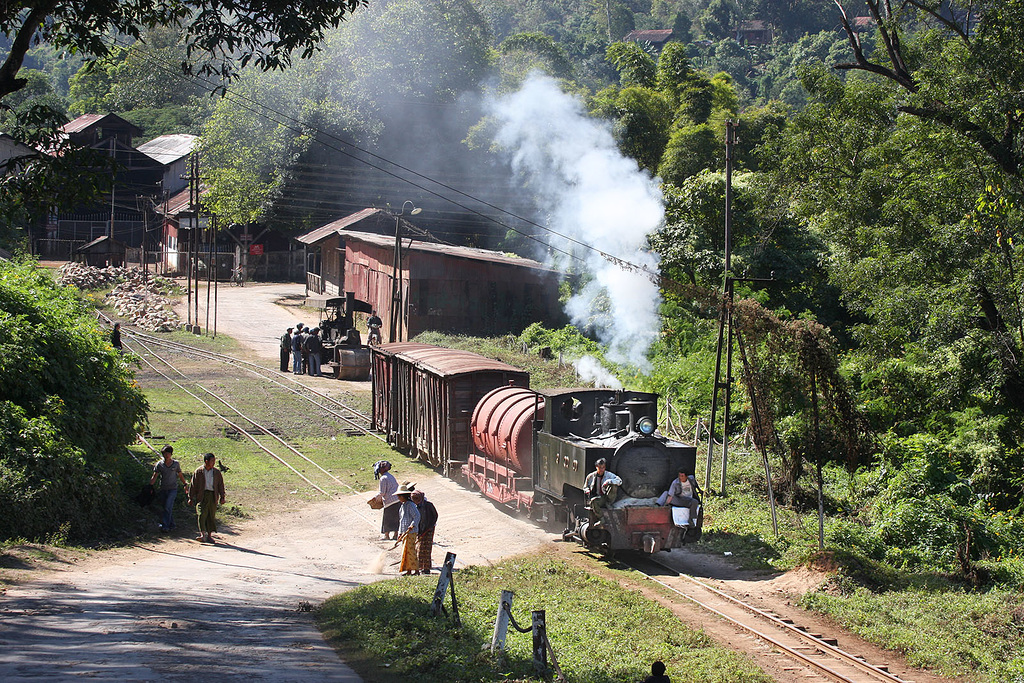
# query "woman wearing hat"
(408, 530)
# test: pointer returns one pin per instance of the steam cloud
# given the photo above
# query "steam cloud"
(590, 192)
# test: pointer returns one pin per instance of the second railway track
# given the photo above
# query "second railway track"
(807, 656)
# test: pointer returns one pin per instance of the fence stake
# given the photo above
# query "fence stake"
(501, 621)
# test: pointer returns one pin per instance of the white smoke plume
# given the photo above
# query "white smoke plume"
(590, 370)
(590, 192)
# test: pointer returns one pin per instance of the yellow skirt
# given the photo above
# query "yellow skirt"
(410, 557)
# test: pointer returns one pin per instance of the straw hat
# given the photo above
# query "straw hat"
(406, 487)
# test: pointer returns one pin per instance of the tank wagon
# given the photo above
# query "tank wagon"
(533, 450)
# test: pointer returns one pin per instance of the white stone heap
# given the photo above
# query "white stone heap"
(136, 297)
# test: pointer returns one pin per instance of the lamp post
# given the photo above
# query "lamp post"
(396, 281)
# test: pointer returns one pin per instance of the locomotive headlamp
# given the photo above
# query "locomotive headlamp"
(645, 426)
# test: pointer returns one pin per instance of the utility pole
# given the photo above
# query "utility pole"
(724, 326)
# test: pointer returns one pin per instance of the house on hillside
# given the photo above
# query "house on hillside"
(656, 37)
(754, 32)
(174, 153)
(122, 211)
(459, 290)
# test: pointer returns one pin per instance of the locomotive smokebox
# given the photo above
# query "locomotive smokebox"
(502, 426)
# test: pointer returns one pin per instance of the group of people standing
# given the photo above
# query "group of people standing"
(303, 346)
(206, 491)
(409, 518)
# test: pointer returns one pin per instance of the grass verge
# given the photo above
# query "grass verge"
(599, 631)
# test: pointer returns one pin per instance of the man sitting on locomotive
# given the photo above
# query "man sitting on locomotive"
(683, 491)
(601, 487)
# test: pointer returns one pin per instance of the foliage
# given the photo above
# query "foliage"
(262, 33)
(69, 401)
(635, 66)
(955, 632)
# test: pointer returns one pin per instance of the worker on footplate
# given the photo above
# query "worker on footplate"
(601, 487)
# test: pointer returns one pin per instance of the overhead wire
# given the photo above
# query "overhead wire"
(291, 123)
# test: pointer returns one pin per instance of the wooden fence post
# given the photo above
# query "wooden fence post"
(501, 621)
(540, 642)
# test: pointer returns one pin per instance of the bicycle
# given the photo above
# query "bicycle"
(238, 277)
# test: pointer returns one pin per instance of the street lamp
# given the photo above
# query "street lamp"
(396, 280)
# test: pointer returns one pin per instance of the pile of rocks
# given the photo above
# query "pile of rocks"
(143, 307)
(90, 277)
(137, 296)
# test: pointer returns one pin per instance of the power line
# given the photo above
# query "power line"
(290, 123)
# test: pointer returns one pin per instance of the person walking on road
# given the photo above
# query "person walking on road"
(207, 488)
(408, 530)
(286, 349)
(169, 472)
(428, 520)
(297, 350)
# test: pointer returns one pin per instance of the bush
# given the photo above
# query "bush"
(70, 406)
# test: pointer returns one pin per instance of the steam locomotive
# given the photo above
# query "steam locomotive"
(473, 416)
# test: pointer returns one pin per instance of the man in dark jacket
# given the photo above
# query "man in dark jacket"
(286, 349)
(313, 347)
(428, 520)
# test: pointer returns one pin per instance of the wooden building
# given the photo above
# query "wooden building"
(457, 290)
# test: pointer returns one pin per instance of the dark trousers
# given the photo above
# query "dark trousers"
(285, 354)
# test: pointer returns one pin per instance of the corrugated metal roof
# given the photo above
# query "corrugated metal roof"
(409, 244)
(178, 203)
(88, 120)
(446, 362)
(650, 36)
(169, 148)
(325, 231)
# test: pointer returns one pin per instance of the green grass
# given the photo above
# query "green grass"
(958, 633)
(599, 631)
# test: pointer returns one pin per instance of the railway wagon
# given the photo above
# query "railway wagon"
(424, 395)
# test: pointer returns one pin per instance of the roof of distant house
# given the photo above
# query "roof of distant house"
(169, 148)
(86, 121)
(658, 35)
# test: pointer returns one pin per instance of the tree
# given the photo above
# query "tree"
(232, 33)
(634, 65)
(526, 52)
(959, 65)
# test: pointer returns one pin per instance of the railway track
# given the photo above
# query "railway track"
(806, 656)
(355, 419)
(243, 423)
